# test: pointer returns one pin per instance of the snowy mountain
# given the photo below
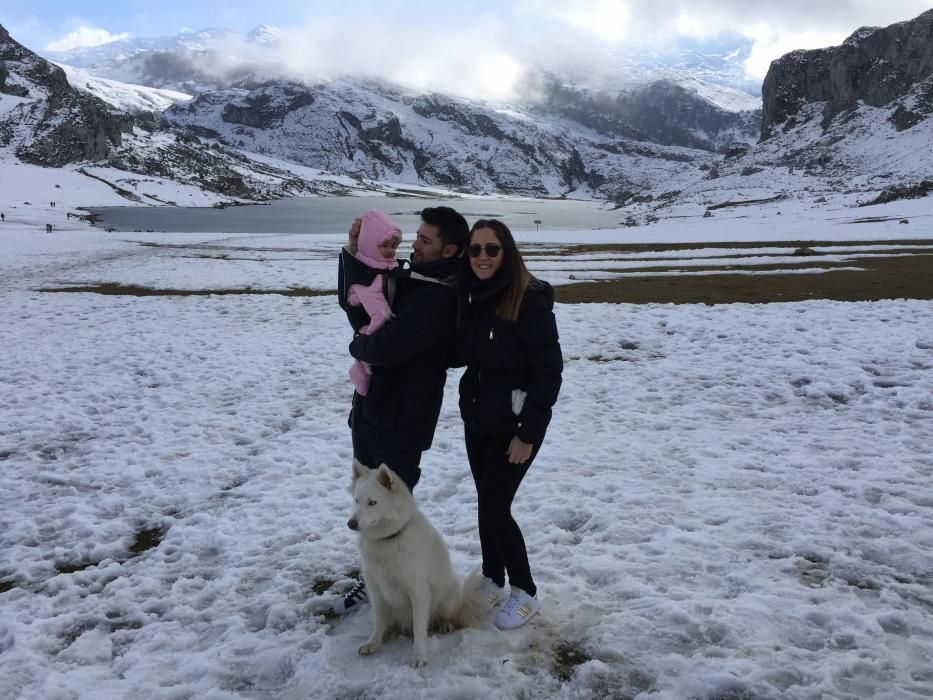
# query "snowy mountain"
(874, 66)
(44, 120)
(554, 138)
(664, 112)
(705, 78)
(714, 69)
(265, 35)
(189, 62)
(371, 130)
(852, 122)
(849, 119)
(47, 121)
(861, 112)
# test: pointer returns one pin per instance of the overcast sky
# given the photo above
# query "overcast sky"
(484, 45)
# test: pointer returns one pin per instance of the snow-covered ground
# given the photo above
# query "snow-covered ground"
(732, 501)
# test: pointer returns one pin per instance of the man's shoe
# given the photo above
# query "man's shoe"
(492, 592)
(352, 600)
(518, 609)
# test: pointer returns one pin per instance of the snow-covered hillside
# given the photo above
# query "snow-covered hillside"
(45, 120)
(373, 131)
(123, 96)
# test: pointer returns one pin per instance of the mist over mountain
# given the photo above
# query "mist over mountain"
(219, 58)
(630, 128)
(189, 62)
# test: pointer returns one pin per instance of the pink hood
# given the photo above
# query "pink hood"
(377, 227)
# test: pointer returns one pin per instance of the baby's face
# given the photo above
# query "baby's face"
(388, 247)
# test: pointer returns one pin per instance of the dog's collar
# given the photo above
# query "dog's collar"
(395, 534)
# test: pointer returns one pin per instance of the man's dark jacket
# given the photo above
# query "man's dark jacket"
(409, 356)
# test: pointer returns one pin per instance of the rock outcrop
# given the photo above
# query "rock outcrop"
(58, 125)
(661, 112)
(266, 107)
(874, 66)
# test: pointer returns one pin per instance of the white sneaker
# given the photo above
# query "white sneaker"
(518, 609)
(492, 593)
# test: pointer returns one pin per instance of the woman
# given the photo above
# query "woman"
(507, 338)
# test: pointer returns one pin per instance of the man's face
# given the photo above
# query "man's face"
(429, 246)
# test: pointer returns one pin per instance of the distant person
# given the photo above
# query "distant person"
(394, 422)
(2, 216)
(48, 228)
(507, 338)
(378, 240)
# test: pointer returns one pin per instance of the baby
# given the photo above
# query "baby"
(378, 241)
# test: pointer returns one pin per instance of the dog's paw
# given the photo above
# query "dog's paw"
(419, 661)
(445, 627)
(369, 648)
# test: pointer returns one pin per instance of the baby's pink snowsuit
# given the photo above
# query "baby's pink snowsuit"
(377, 227)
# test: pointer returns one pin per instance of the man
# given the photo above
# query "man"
(394, 423)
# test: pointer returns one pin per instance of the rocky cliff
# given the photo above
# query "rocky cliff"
(662, 112)
(874, 66)
(56, 124)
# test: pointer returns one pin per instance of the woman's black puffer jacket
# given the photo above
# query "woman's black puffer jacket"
(502, 356)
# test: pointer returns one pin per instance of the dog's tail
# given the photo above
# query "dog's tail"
(474, 608)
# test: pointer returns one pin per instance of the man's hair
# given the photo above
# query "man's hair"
(451, 225)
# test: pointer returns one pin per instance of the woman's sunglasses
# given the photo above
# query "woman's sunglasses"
(492, 249)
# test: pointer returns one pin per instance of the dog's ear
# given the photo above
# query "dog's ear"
(387, 477)
(359, 469)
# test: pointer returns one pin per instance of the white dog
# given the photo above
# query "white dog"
(406, 565)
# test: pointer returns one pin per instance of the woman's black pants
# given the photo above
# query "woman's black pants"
(496, 484)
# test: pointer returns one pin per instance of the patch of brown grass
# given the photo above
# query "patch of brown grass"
(115, 289)
(916, 245)
(906, 277)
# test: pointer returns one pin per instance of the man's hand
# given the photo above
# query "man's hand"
(519, 452)
(355, 227)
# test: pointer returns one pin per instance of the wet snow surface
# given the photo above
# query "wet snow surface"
(732, 501)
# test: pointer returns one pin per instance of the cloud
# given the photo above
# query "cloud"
(84, 37)
(474, 60)
(775, 26)
(607, 20)
(485, 48)
(769, 46)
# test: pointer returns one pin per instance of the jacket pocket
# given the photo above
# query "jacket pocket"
(494, 409)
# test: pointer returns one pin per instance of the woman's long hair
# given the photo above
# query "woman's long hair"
(513, 269)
